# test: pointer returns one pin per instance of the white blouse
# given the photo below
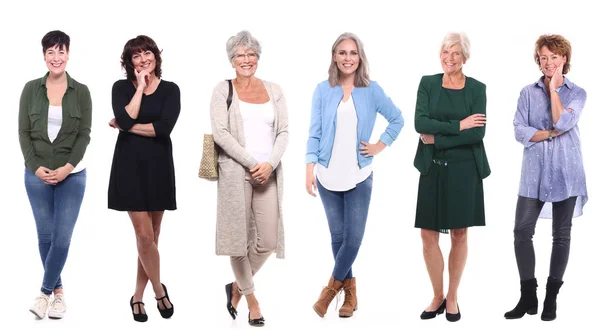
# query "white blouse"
(343, 172)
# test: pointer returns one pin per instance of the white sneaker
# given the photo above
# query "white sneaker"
(58, 307)
(40, 306)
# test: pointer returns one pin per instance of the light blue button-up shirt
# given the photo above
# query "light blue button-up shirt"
(552, 170)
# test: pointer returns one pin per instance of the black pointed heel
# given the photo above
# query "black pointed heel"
(229, 292)
(429, 315)
(139, 317)
(167, 312)
(256, 322)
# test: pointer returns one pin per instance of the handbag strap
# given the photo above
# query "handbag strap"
(230, 95)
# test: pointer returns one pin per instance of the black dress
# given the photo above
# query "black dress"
(142, 177)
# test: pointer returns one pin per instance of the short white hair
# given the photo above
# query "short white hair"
(244, 39)
(457, 38)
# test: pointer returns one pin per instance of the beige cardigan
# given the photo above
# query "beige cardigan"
(232, 235)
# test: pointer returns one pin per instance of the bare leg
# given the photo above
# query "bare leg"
(456, 265)
(236, 295)
(147, 230)
(434, 260)
(253, 306)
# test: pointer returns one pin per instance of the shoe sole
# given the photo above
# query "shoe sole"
(34, 312)
(56, 315)
(350, 314)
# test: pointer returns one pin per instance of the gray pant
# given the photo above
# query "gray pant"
(262, 225)
(528, 211)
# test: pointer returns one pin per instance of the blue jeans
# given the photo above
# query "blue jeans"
(346, 213)
(55, 209)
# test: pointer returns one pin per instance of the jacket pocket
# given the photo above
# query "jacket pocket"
(74, 117)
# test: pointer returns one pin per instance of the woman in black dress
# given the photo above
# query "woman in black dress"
(142, 178)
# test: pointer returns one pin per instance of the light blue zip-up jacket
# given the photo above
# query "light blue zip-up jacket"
(368, 101)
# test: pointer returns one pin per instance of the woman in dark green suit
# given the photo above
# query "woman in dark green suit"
(450, 116)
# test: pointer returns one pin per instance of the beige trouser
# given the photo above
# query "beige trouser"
(263, 209)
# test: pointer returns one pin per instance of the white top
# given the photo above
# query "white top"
(55, 117)
(343, 172)
(259, 122)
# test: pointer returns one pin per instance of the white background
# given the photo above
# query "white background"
(402, 44)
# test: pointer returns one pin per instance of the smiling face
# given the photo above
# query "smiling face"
(245, 62)
(452, 59)
(144, 60)
(56, 59)
(550, 61)
(346, 57)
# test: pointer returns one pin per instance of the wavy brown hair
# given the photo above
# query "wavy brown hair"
(558, 45)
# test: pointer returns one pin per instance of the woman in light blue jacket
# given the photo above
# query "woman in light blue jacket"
(338, 151)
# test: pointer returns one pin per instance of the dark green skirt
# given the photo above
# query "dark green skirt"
(450, 197)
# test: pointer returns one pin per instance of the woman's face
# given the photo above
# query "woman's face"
(346, 57)
(144, 60)
(245, 62)
(452, 59)
(550, 61)
(56, 59)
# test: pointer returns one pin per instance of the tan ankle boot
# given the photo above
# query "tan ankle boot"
(350, 300)
(327, 295)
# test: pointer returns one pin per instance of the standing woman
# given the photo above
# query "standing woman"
(250, 125)
(552, 170)
(344, 110)
(55, 118)
(142, 177)
(450, 116)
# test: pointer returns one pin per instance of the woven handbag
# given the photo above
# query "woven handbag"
(209, 166)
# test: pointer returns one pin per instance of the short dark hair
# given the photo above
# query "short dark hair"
(136, 45)
(55, 38)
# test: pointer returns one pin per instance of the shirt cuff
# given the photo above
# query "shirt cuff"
(311, 158)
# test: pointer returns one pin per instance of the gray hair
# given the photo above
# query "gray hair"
(457, 38)
(361, 76)
(243, 39)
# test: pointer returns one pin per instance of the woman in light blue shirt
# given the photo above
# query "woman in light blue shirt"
(344, 109)
(552, 170)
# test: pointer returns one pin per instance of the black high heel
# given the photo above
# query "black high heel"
(139, 317)
(429, 315)
(167, 312)
(453, 317)
(229, 292)
(256, 322)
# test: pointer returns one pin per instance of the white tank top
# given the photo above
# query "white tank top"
(259, 121)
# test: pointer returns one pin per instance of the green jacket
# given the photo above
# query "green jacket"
(448, 133)
(74, 135)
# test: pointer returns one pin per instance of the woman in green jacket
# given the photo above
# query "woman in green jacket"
(55, 117)
(450, 116)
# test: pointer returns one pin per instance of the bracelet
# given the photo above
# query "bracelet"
(550, 135)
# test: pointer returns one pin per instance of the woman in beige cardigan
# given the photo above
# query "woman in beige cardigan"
(252, 135)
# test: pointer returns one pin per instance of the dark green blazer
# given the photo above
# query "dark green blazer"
(74, 135)
(448, 133)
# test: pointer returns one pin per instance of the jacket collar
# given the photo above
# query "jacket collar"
(70, 81)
